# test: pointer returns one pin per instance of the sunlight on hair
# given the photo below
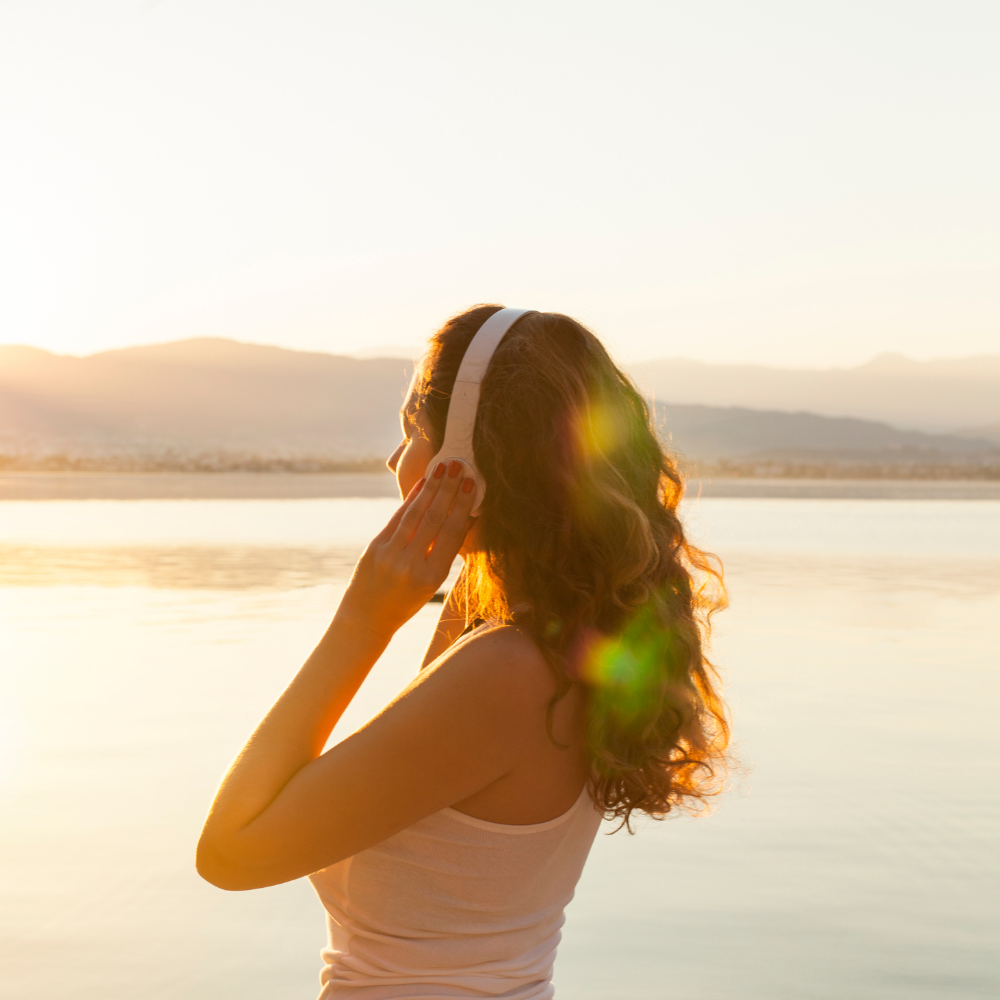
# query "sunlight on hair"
(580, 545)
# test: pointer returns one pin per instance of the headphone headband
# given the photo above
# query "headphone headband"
(464, 403)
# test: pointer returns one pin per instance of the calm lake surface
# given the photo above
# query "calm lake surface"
(858, 857)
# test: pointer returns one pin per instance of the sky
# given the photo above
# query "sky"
(792, 183)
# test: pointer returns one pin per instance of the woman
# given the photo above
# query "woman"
(566, 681)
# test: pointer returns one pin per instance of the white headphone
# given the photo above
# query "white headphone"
(464, 403)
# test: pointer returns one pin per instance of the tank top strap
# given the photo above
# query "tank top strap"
(480, 622)
(474, 624)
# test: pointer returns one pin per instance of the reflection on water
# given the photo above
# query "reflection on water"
(181, 567)
(260, 567)
(141, 641)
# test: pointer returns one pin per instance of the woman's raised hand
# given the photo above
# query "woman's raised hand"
(409, 559)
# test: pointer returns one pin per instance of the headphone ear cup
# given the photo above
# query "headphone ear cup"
(464, 403)
(468, 470)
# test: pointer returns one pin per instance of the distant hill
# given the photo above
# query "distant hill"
(200, 395)
(771, 442)
(938, 396)
(991, 432)
(711, 432)
(212, 403)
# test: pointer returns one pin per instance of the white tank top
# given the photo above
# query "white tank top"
(453, 906)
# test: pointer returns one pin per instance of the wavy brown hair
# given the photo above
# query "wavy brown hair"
(579, 521)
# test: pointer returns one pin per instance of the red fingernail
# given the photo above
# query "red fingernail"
(454, 469)
(468, 485)
(419, 486)
(439, 471)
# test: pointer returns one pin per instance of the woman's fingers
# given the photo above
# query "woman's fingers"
(432, 523)
(387, 532)
(436, 512)
(454, 528)
(411, 518)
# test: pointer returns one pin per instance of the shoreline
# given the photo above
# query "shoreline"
(302, 486)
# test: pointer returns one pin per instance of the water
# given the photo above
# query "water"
(140, 642)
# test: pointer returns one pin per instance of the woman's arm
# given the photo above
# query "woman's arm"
(291, 735)
(280, 781)
(461, 725)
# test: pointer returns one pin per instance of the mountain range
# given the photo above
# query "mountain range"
(954, 395)
(200, 395)
(221, 403)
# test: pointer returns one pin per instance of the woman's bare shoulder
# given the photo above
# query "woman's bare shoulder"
(499, 659)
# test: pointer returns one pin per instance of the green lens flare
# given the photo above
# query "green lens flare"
(632, 669)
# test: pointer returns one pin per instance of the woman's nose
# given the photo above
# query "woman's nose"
(393, 460)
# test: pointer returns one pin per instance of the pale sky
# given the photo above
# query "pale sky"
(799, 183)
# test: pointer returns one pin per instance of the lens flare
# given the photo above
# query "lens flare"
(631, 668)
(599, 431)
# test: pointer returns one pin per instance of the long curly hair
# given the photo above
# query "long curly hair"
(579, 521)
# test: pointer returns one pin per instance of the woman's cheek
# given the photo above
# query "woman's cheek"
(413, 464)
